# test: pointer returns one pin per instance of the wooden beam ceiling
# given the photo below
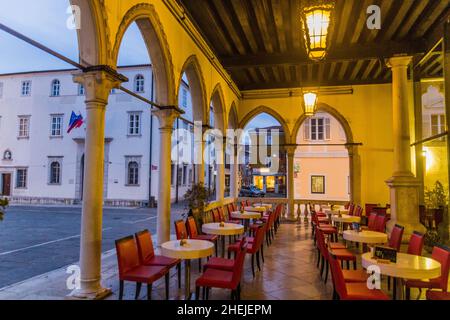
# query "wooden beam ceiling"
(260, 42)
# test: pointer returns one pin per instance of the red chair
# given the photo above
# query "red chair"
(180, 229)
(253, 248)
(358, 211)
(130, 269)
(147, 254)
(216, 215)
(395, 241)
(351, 290)
(369, 208)
(223, 263)
(442, 255)
(416, 242)
(380, 223)
(191, 226)
(230, 209)
(438, 295)
(215, 278)
(351, 209)
(372, 221)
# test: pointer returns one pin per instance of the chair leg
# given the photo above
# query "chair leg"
(253, 265)
(408, 293)
(215, 246)
(149, 291)
(138, 290)
(318, 258)
(348, 265)
(179, 275)
(239, 292)
(262, 254)
(322, 266)
(197, 293)
(257, 261)
(326, 272)
(354, 265)
(167, 285)
(233, 295)
(200, 265)
(207, 293)
(121, 290)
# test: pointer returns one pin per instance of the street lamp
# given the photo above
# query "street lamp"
(316, 18)
(309, 103)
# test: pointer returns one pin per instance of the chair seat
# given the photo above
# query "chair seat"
(438, 295)
(144, 274)
(162, 261)
(343, 254)
(359, 291)
(220, 264)
(328, 230)
(423, 284)
(355, 276)
(216, 278)
(337, 245)
(207, 237)
(235, 246)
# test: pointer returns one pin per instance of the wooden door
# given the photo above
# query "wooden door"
(6, 185)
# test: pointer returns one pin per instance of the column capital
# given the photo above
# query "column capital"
(98, 82)
(399, 61)
(166, 116)
(290, 149)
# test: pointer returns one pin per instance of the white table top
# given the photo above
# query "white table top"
(229, 229)
(369, 237)
(345, 218)
(193, 249)
(255, 209)
(336, 212)
(245, 215)
(407, 266)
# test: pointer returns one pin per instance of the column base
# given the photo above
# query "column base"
(405, 205)
(79, 294)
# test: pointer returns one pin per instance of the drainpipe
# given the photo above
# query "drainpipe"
(150, 204)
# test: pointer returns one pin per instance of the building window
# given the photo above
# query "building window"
(26, 88)
(318, 184)
(134, 123)
(437, 124)
(24, 127)
(180, 176)
(133, 165)
(184, 98)
(172, 174)
(55, 172)
(139, 83)
(80, 90)
(55, 88)
(185, 172)
(318, 129)
(21, 178)
(56, 125)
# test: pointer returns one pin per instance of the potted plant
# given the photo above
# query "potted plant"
(3, 204)
(436, 202)
(196, 198)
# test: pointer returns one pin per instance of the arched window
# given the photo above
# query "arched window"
(139, 83)
(133, 173)
(56, 86)
(55, 173)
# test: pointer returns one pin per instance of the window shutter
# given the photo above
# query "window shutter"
(308, 129)
(327, 129)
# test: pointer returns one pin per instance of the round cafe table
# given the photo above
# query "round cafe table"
(193, 249)
(365, 237)
(345, 218)
(408, 266)
(229, 229)
(246, 217)
(268, 206)
(336, 212)
(260, 209)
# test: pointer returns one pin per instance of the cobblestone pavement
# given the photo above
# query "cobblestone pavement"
(35, 240)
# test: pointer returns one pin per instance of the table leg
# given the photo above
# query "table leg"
(223, 246)
(187, 279)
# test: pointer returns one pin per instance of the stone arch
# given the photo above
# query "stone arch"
(323, 107)
(354, 158)
(155, 39)
(218, 101)
(196, 81)
(263, 109)
(93, 35)
(233, 117)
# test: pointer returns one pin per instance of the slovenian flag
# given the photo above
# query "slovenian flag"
(76, 121)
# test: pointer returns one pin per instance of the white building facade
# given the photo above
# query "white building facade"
(41, 163)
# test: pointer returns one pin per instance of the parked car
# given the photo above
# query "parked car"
(252, 192)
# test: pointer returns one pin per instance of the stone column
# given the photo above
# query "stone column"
(98, 82)
(234, 168)
(355, 173)
(220, 178)
(166, 117)
(290, 150)
(403, 185)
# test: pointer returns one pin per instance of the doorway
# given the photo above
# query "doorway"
(6, 184)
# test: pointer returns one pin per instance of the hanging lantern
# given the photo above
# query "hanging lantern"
(316, 17)
(309, 103)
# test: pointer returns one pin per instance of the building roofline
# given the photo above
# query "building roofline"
(66, 70)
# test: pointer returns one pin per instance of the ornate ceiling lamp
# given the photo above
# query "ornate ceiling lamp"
(310, 103)
(317, 18)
